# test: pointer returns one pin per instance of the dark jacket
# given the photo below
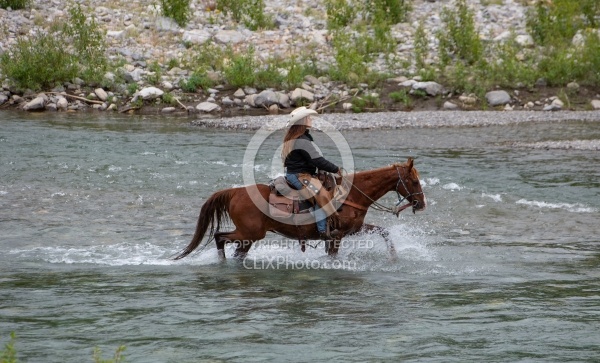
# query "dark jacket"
(305, 158)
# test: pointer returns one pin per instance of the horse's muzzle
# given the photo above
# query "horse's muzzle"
(418, 206)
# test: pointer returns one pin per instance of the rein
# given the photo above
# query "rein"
(380, 207)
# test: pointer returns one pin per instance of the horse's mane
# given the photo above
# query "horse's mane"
(413, 172)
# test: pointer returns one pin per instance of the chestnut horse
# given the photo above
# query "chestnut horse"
(247, 208)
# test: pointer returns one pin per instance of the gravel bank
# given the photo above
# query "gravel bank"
(397, 120)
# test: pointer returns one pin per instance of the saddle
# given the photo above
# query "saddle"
(285, 200)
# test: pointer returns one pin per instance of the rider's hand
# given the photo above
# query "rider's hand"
(339, 172)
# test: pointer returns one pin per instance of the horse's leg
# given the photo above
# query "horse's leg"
(220, 241)
(243, 246)
(243, 242)
(332, 246)
(383, 232)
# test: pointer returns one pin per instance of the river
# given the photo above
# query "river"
(502, 266)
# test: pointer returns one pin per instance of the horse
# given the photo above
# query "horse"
(247, 208)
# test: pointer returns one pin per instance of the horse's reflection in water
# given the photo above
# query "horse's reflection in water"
(247, 208)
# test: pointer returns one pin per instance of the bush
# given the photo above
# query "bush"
(89, 44)
(240, 70)
(459, 37)
(197, 80)
(251, 13)
(400, 96)
(14, 4)
(559, 20)
(38, 62)
(178, 10)
(43, 61)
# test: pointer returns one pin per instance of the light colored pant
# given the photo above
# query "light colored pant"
(320, 215)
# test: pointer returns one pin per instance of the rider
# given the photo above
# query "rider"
(302, 159)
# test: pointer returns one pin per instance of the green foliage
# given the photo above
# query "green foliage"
(283, 73)
(351, 62)
(38, 62)
(209, 56)
(132, 88)
(251, 13)
(178, 10)
(360, 104)
(388, 11)
(154, 77)
(511, 65)
(89, 44)
(559, 20)
(401, 96)
(42, 60)
(169, 99)
(421, 45)
(172, 63)
(361, 29)
(459, 36)
(14, 4)
(9, 354)
(117, 358)
(239, 71)
(197, 80)
(340, 13)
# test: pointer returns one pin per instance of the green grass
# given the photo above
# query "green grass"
(14, 4)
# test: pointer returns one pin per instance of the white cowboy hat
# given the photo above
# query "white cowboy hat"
(299, 114)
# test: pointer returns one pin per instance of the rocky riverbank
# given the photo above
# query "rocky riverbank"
(137, 34)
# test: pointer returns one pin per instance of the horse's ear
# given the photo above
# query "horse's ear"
(410, 163)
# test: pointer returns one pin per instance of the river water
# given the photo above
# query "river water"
(503, 265)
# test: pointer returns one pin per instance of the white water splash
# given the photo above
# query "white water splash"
(364, 252)
(574, 208)
(452, 186)
(494, 197)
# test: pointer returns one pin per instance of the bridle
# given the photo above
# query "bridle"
(397, 209)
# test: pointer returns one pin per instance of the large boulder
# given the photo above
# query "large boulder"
(299, 94)
(497, 98)
(266, 98)
(431, 88)
(208, 107)
(150, 93)
(37, 104)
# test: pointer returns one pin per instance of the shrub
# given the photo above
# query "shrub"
(156, 73)
(400, 96)
(421, 46)
(240, 70)
(350, 61)
(38, 62)
(196, 80)
(178, 10)
(14, 4)
(89, 44)
(360, 104)
(251, 13)
(559, 20)
(340, 13)
(388, 11)
(459, 36)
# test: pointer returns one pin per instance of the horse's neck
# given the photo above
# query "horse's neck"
(374, 184)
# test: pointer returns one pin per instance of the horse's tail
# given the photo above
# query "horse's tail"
(214, 211)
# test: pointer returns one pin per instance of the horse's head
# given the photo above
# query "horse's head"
(409, 187)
